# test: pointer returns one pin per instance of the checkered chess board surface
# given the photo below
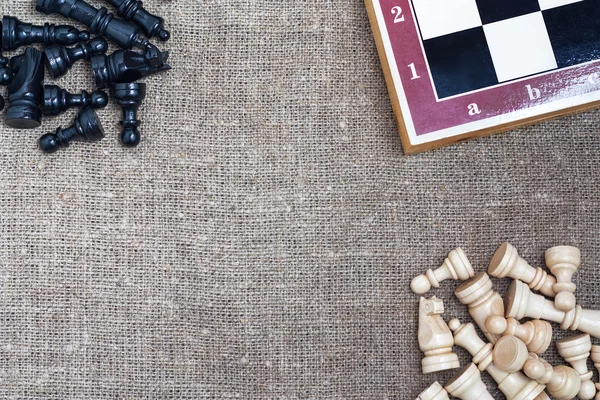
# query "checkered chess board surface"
(474, 44)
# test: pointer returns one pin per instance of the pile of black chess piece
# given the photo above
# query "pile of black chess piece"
(29, 99)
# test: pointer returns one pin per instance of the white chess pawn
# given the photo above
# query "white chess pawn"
(563, 262)
(521, 302)
(510, 354)
(507, 262)
(576, 351)
(435, 339)
(562, 382)
(596, 359)
(467, 385)
(434, 392)
(482, 300)
(514, 385)
(536, 334)
(456, 266)
(466, 337)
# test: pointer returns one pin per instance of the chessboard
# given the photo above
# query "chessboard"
(459, 69)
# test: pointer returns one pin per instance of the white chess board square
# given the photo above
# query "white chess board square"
(548, 4)
(441, 17)
(520, 46)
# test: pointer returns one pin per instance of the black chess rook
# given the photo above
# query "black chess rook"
(17, 34)
(60, 59)
(25, 93)
(86, 128)
(99, 21)
(58, 100)
(124, 66)
(129, 96)
(134, 11)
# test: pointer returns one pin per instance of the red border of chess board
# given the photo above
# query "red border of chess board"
(430, 115)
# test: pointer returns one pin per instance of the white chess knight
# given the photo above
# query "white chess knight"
(434, 392)
(520, 302)
(563, 261)
(456, 266)
(515, 386)
(562, 382)
(576, 351)
(435, 339)
(507, 262)
(467, 385)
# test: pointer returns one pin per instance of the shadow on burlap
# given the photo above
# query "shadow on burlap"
(259, 242)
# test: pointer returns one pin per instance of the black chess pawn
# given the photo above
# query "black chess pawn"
(129, 96)
(57, 100)
(60, 59)
(99, 21)
(16, 34)
(123, 66)
(87, 128)
(134, 11)
(25, 92)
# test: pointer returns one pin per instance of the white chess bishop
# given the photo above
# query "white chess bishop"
(562, 382)
(564, 261)
(467, 385)
(507, 262)
(576, 351)
(515, 386)
(482, 300)
(435, 339)
(434, 392)
(456, 266)
(520, 302)
(536, 334)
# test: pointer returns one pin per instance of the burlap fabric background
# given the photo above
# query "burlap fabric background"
(260, 241)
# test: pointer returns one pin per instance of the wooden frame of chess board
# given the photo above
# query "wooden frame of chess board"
(584, 71)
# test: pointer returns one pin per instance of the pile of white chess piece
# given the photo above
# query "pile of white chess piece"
(512, 354)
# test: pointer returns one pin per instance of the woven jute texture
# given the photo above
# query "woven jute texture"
(260, 241)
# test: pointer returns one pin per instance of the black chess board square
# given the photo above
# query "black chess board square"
(498, 10)
(460, 62)
(574, 32)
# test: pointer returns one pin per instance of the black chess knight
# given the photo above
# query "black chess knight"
(123, 66)
(86, 128)
(57, 100)
(60, 59)
(25, 92)
(134, 11)
(16, 34)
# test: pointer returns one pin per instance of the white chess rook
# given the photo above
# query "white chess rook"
(507, 262)
(482, 300)
(435, 339)
(434, 392)
(456, 266)
(536, 334)
(520, 302)
(515, 386)
(467, 385)
(576, 351)
(562, 382)
(596, 359)
(563, 262)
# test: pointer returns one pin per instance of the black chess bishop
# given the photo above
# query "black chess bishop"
(17, 34)
(124, 66)
(60, 59)
(25, 92)
(57, 100)
(134, 11)
(86, 128)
